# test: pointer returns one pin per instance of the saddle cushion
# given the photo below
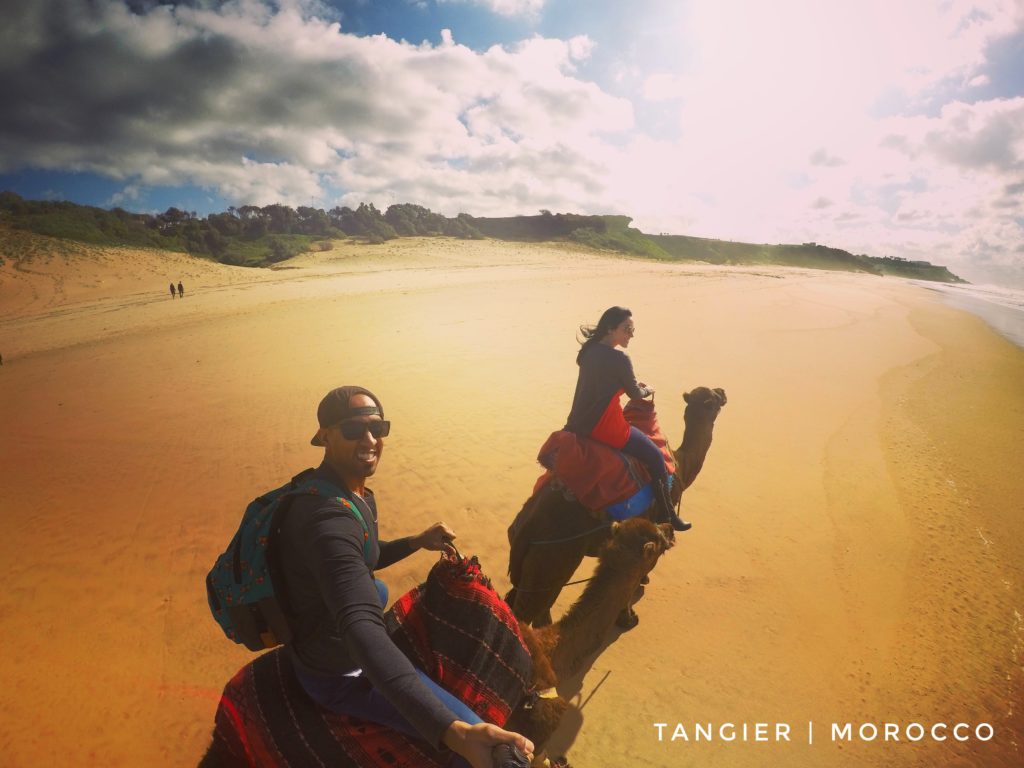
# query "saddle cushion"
(600, 476)
(266, 720)
(458, 630)
(454, 626)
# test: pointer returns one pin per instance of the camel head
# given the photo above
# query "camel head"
(702, 407)
(632, 550)
(638, 541)
(704, 402)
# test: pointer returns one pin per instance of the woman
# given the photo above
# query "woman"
(605, 374)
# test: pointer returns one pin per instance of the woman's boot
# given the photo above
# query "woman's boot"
(666, 510)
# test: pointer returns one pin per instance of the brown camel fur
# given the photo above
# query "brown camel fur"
(630, 554)
(551, 534)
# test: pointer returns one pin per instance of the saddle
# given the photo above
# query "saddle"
(454, 626)
(600, 477)
(457, 629)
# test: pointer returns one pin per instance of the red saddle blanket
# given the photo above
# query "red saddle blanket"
(454, 626)
(458, 630)
(596, 474)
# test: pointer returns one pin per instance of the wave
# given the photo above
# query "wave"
(1002, 308)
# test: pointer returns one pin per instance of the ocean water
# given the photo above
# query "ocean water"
(1001, 308)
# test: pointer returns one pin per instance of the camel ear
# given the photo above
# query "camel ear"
(651, 550)
(721, 394)
(686, 397)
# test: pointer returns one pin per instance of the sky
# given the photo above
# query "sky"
(880, 127)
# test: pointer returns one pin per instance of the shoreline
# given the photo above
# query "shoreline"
(1001, 308)
(834, 573)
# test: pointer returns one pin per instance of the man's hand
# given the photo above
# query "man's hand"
(648, 390)
(435, 538)
(475, 742)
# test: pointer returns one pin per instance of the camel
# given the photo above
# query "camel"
(555, 651)
(552, 534)
(631, 552)
(559, 650)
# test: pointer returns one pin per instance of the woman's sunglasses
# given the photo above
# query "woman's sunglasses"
(353, 430)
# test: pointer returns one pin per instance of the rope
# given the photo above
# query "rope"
(587, 701)
(545, 589)
(567, 584)
(573, 538)
(580, 581)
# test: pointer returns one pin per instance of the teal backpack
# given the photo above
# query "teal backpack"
(240, 587)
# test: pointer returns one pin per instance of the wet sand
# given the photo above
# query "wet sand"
(857, 549)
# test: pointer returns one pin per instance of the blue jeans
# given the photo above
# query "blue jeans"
(357, 697)
(642, 447)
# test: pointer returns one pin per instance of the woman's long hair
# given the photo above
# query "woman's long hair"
(611, 319)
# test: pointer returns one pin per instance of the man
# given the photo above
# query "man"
(341, 651)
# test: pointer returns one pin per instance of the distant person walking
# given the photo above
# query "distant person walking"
(172, 290)
(181, 290)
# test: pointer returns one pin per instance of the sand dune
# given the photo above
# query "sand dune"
(856, 555)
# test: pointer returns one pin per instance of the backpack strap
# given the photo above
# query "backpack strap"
(354, 509)
(314, 486)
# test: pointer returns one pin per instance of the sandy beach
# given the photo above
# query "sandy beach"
(857, 554)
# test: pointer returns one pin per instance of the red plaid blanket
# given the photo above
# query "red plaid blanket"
(455, 626)
(266, 720)
(458, 630)
(595, 474)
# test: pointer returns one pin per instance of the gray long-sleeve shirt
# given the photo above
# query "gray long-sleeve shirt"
(334, 608)
(604, 371)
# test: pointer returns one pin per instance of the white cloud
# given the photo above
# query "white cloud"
(661, 86)
(782, 138)
(129, 194)
(529, 8)
(947, 188)
(280, 106)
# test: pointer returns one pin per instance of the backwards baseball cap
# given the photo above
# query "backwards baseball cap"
(334, 408)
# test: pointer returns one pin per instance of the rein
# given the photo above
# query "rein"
(614, 569)
(579, 581)
(545, 589)
(560, 541)
(573, 538)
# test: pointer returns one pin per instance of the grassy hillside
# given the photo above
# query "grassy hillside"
(252, 236)
(918, 270)
(613, 233)
(607, 233)
(245, 236)
(809, 255)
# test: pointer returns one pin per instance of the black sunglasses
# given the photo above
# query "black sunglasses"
(353, 430)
